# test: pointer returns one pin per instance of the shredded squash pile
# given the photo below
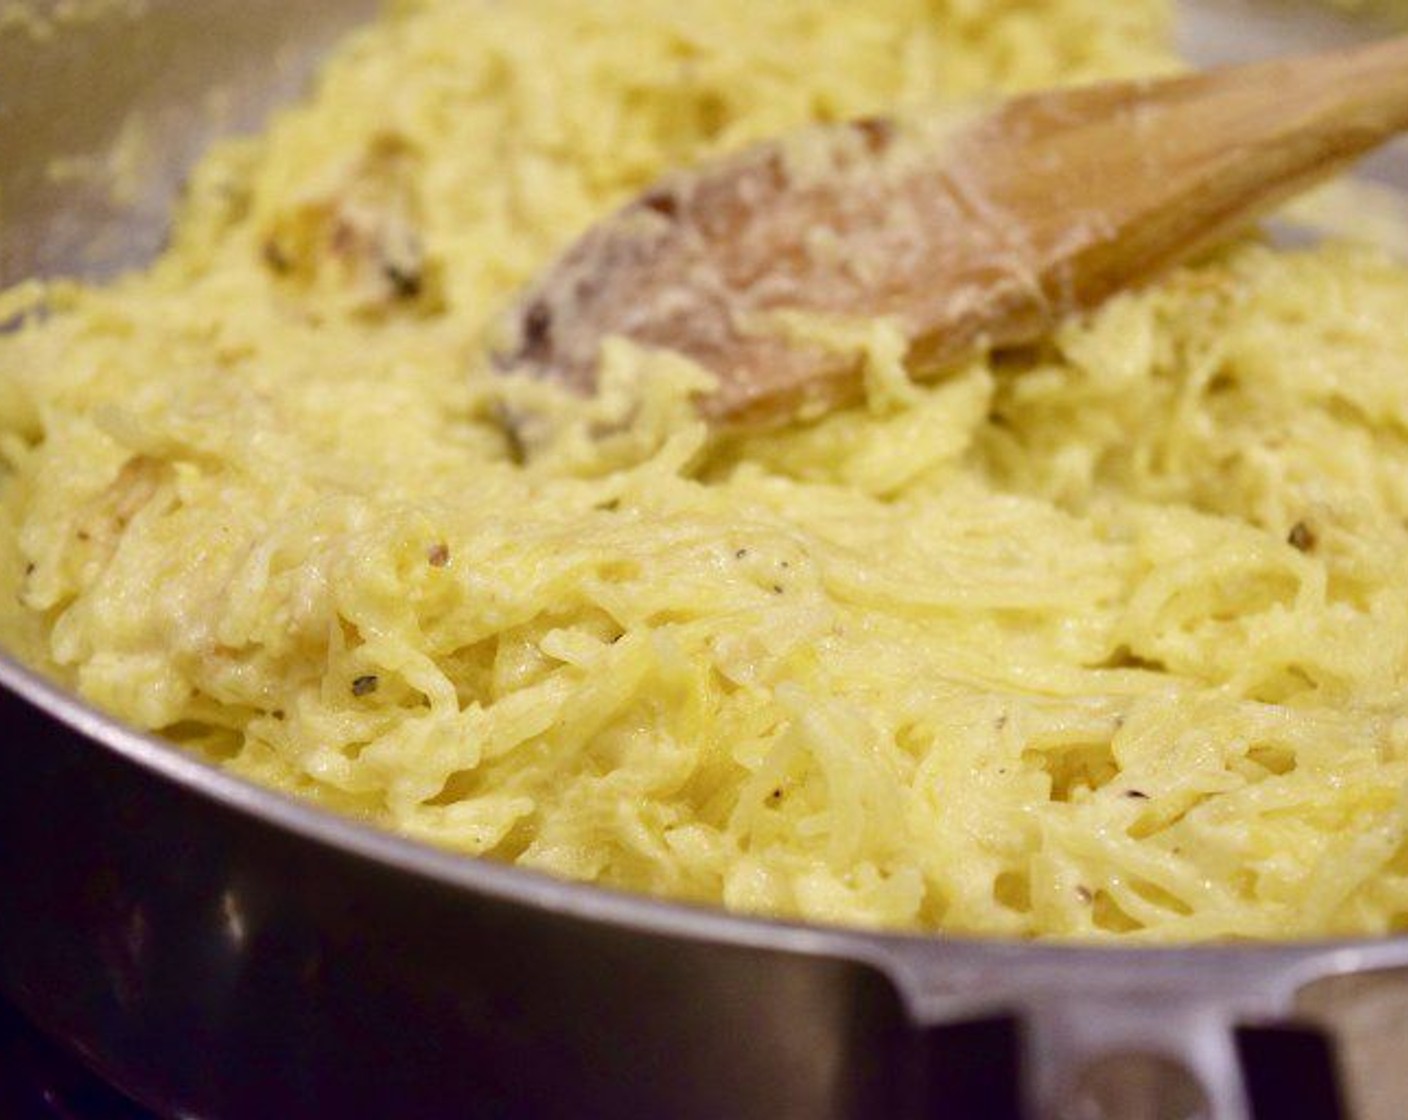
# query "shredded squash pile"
(1109, 639)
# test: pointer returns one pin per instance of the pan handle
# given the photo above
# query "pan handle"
(1123, 1033)
(1143, 1056)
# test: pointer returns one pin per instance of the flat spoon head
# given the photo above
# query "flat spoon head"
(968, 231)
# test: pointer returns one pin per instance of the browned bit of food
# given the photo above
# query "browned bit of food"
(970, 232)
(357, 239)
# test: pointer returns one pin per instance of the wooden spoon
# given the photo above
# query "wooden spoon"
(975, 231)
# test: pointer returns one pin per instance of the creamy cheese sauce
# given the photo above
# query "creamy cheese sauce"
(1106, 639)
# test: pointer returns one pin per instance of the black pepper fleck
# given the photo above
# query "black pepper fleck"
(438, 556)
(741, 554)
(276, 259)
(777, 589)
(406, 283)
(1301, 537)
(1136, 794)
(1085, 895)
(366, 685)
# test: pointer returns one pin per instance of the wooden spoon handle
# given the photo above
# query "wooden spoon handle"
(972, 231)
(1114, 183)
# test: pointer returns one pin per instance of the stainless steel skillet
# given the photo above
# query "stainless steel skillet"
(221, 951)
